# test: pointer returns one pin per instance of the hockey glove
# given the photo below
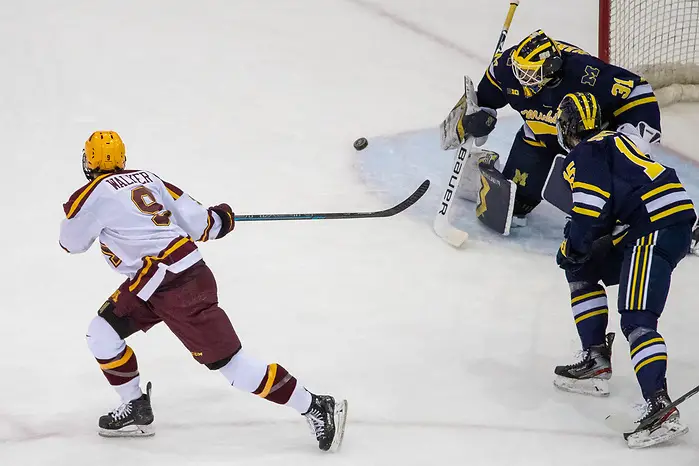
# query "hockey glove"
(467, 119)
(694, 245)
(479, 124)
(226, 214)
(568, 259)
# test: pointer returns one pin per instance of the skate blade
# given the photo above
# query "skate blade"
(129, 431)
(340, 416)
(664, 433)
(591, 387)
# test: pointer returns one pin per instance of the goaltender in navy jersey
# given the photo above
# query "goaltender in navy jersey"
(625, 98)
(618, 189)
(533, 77)
(145, 226)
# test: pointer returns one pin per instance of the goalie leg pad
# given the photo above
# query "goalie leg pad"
(470, 183)
(496, 200)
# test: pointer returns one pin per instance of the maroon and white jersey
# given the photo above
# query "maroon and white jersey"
(145, 226)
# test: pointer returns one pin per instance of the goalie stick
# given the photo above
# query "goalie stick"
(396, 209)
(442, 224)
(623, 423)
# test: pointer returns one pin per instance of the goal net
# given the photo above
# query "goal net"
(657, 39)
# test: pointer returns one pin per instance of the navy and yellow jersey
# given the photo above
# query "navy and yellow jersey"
(618, 189)
(623, 96)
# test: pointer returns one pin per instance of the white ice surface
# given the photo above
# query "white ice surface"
(444, 355)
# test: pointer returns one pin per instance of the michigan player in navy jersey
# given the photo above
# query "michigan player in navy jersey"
(532, 78)
(630, 225)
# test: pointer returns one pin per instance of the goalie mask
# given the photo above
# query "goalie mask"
(104, 152)
(578, 118)
(535, 62)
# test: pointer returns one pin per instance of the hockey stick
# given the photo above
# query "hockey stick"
(396, 209)
(622, 423)
(442, 225)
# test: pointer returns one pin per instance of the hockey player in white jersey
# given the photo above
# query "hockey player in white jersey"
(147, 230)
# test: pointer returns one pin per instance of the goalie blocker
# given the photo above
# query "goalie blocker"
(496, 200)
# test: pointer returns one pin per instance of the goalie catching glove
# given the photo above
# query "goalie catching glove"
(467, 119)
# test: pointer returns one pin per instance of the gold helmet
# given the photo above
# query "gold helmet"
(535, 62)
(104, 153)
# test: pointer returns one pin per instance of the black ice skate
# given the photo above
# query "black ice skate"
(132, 419)
(327, 421)
(590, 375)
(662, 429)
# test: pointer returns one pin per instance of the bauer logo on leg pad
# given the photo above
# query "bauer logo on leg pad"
(496, 200)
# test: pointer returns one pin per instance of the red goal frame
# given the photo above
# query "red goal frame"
(605, 8)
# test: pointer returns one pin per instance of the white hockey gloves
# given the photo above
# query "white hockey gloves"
(467, 118)
(643, 135)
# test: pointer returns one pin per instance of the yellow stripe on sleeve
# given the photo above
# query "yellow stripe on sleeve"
(591, 187)
(85, 193)
(661, 189)
(674, 210)
(174, 195)
(492, 80)
(633, 104)
(588, 212)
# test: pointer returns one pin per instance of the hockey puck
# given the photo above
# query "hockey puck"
(361, 143)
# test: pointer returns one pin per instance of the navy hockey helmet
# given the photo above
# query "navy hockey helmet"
(579, 116)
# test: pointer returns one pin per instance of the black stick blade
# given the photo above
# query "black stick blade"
(398, 208)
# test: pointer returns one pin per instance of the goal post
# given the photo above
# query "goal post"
(657, 39)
